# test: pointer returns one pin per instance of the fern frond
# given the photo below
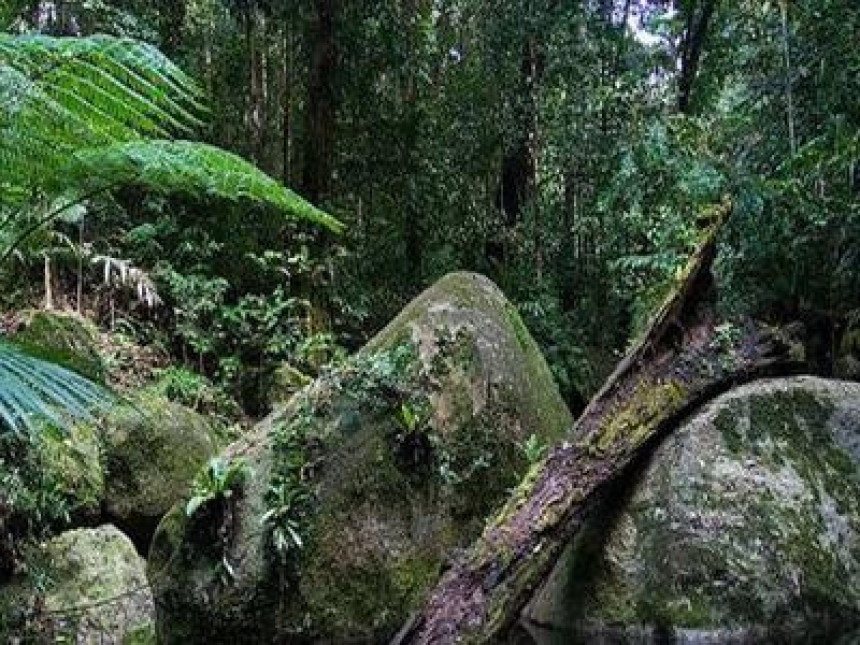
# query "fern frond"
(32, 389)
(59, 95)
(194, 169)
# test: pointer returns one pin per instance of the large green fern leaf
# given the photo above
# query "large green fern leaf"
(58, 95)
(191, 168)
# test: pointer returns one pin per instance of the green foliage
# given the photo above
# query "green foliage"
(433, 114)
(409, 418)
(216, 482)
(86, 116)
(33, 389)
(194, 390)
(182, 385)
(47, 478)
(195, 169)
(533, 449)
(288, 498)
(66, 94)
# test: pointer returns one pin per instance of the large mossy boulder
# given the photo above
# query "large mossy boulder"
(84, 586)
(358, 490)
(744, 527)
(152, 449)
(63, 338)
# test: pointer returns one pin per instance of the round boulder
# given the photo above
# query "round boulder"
(357, 492)
(743, 527)
(84, 586)
(63, 338)
(152, 449)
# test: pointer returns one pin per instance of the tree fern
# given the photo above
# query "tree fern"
(81, 116)
(69, 105)
(60, 95)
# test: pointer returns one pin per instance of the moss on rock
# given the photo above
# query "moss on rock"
(63, 338)
(84, 586)
(152, 449)
(745, 523)
(369, 479)
(286, 381)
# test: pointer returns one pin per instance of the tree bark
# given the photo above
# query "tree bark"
(684, 360)
(171, 24)
(692, 46)
(256, 35)
(49, 284)
(789, 99)
(319, 135)
(413, 235)
(287, 125)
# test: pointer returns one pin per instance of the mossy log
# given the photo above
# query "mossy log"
(684, 359)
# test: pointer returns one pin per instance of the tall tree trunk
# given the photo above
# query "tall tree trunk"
(171, 23)
(678, 365)
(698, 20)
(789, 96)
(321, 108)
(80, 286)
(49, 284)
(411, 118)
(287, 126)
(256, 36)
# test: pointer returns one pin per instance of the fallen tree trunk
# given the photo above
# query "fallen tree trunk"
(684, 360)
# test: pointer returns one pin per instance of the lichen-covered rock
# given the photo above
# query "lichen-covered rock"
(152, 449)
(63, 338)
(370, 478)
(744, 527)
(84, 586)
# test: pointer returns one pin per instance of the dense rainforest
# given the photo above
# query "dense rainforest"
(429, 321)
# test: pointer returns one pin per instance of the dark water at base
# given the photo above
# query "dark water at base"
(531, 634)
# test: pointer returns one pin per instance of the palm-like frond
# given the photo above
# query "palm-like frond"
(191, 168)
(33, 389)
(60, 95)
(98, 112)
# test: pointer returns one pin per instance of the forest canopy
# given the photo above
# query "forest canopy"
(566, 150)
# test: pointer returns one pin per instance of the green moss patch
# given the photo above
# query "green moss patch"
(62, 338)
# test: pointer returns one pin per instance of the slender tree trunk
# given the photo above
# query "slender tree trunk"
(789, 97)
(412, 225)
(80, 286)
(680, 364)
(698, 21)
(256, 36)
(319, 144)
(319, 135)
(287, 126)
(208, 62)
(49, 284)
(171, 24)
